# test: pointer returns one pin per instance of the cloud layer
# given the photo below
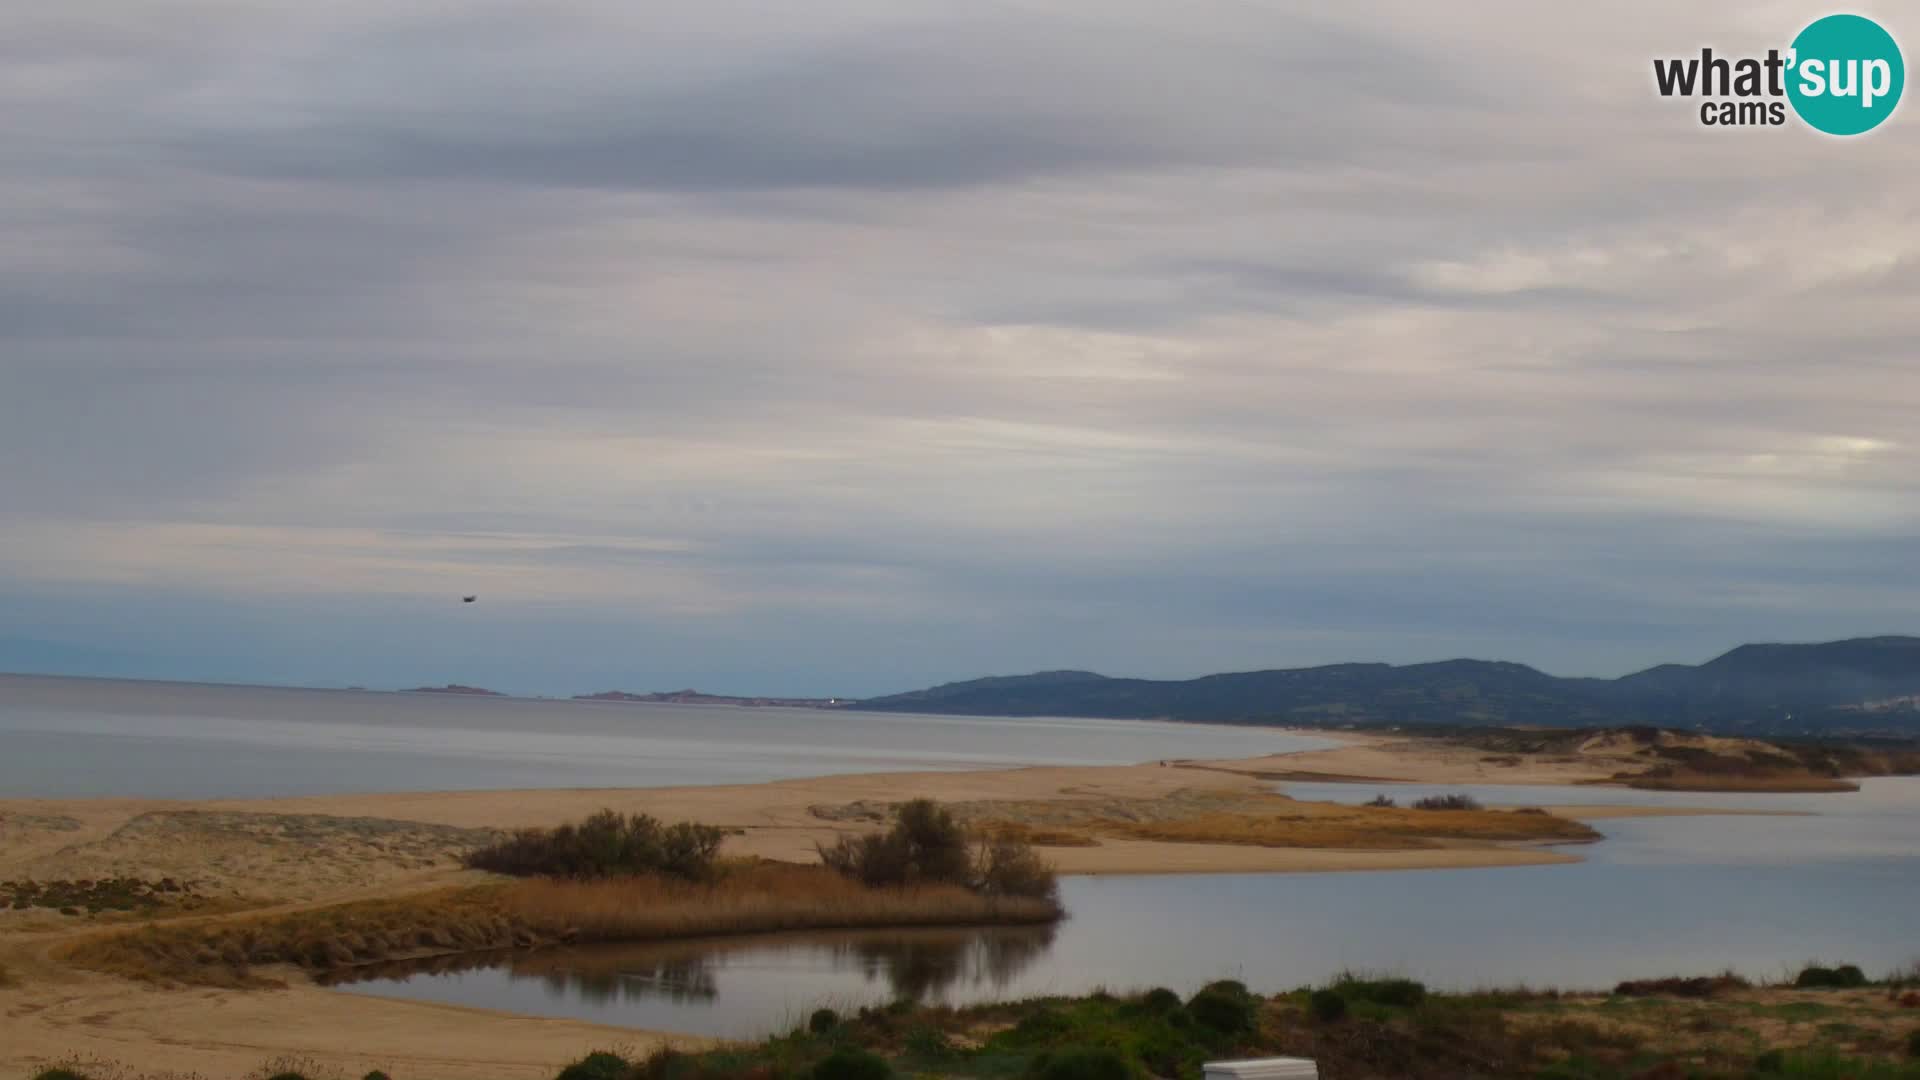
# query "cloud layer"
(894, 343)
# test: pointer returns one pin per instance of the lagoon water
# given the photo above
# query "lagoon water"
(1835, 877)
(79, 738)
(1838, 880)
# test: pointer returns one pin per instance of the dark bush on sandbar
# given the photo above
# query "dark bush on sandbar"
(927, 846)
(1447, 802)
(608, 844)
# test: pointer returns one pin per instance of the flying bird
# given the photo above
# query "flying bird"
(468, 599)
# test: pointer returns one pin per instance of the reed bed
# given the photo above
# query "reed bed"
(1358, 828)
(759, 900)
(748, 899)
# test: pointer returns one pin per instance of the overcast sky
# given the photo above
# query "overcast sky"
(849, 347)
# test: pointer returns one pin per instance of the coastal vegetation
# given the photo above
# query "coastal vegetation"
(607, 844)
(746, 899)
(611, 879)
(1262, 819)
(928, 845)
(1355, 1027)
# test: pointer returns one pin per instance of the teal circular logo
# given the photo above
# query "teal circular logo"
(1845, 75)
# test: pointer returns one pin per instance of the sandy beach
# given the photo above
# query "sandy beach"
(283, 854)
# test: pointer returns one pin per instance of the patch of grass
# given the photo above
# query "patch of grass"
(96, 895)
(1326, 825)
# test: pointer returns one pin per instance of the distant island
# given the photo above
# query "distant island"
(455, 688)
(1862, 687)
(695, 697)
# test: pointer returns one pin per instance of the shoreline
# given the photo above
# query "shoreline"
(392, 844)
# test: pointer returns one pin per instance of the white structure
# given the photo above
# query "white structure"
(1263, 1069)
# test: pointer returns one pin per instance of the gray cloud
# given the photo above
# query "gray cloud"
(891, 344)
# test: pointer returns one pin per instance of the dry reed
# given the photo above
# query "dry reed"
(744, 900)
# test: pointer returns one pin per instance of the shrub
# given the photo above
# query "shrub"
(1221, 1009)
(1913, 1045)
(1083, 1063)
(599, 1065)
(59, 1072)
(1844, 977)
(1698, 986)
(1160, 1000)
(376, 1074)
(927, 846)
(1382, 801)
(1771, 1062)
(850, 1063)
(1447, 802)
(1327, 1006)
(823, 1021)
(1011, 868)
(1398, 993)
(607, 844)
(928, 1043)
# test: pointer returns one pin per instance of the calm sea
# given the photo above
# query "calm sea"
(64, 737)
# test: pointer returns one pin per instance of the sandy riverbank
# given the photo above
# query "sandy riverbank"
(284, 853)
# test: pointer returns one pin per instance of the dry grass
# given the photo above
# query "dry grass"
(749, 899)
(1688, 780)
(769, 897)
(1037, 837)
(1265, 820)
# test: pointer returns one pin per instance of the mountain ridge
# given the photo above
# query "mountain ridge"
(1851, 686)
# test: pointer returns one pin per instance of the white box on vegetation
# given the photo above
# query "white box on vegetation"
(1281, 1068)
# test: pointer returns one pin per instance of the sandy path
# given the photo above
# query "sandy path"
(229, 1033)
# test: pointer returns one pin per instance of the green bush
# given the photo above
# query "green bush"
(1397, 993)
(1770, 1063)
(850, 1063)
(1327, 1006)
(1221, 1009)
(823, 1021)
(1041, 1026)
(599, 1065)
(287, 1076)
(608, 844)
(59, 1072)
(1913, 1045)
(376, 1074)
(1083, 1063)
(1844, 977)
(928, 1043)
(1160, 1000)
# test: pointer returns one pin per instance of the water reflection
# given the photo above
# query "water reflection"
(733, 981)
(1833, 880)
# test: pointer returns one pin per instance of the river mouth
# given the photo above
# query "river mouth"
(1760, 895)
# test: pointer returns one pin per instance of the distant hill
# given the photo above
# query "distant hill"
(1861, 686)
